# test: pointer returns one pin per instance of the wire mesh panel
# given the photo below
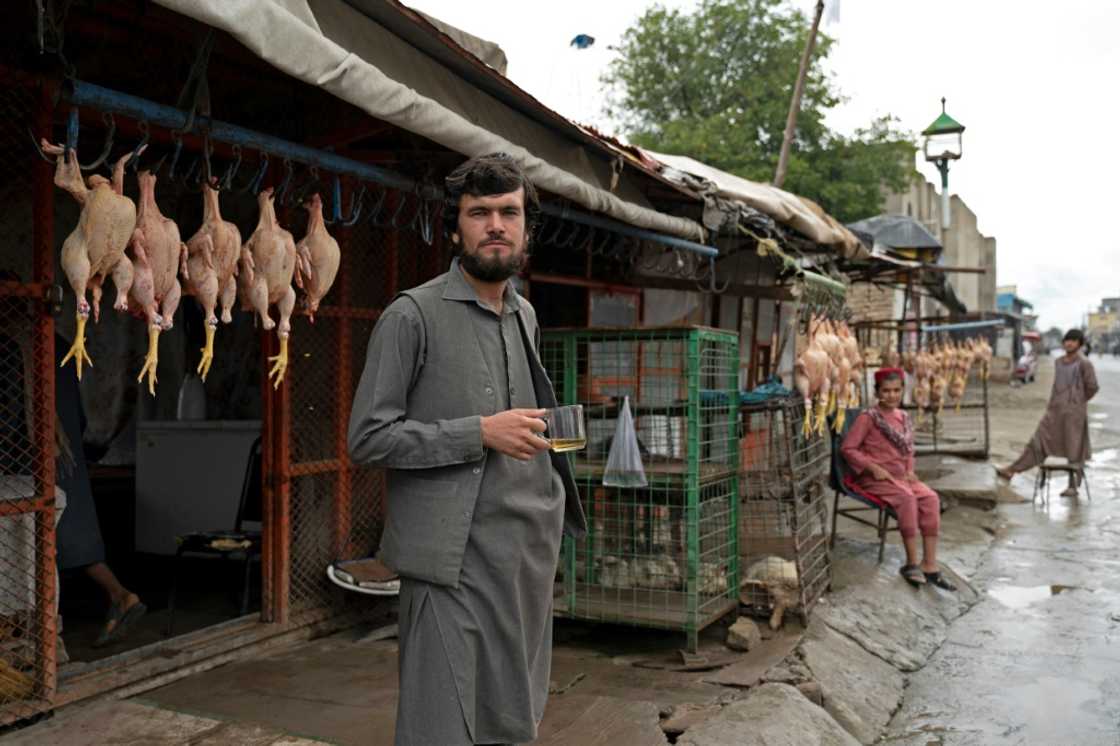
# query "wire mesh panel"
(30, 504)
(333, 508)
(663, 554)
(959, 429)
(783, 519)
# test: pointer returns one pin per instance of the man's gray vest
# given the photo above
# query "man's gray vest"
(430, 510)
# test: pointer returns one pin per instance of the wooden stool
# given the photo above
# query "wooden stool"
(1046, 472)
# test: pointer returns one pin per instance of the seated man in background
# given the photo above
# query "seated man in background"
(879, 448)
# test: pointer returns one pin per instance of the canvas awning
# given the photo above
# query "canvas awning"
(799, 213)
(337, 46)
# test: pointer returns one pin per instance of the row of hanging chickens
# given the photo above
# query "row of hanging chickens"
(941, 372)
(828, 374)
(143, 252)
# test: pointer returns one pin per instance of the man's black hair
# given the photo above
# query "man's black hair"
(1076, 335)
(486, 176)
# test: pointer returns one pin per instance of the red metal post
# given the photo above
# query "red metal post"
(44, 409)
(343, 383)
(268, 490)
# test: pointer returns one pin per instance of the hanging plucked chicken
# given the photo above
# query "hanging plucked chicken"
(96, 246)
(319, 257)
(158, 255)
(268, 263)
(212, 268)
(811, 376)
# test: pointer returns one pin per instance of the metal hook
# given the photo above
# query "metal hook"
(39, 150)
(393, 221)
(227, 178)
(111, 123)
(134, 158)
(424, 216)
(282, 191)
(375, 210)
(336, 208)
(298, 195)
(178, 140)
(355, 207)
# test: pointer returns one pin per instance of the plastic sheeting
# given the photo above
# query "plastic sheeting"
(803, 215)
(329, 44)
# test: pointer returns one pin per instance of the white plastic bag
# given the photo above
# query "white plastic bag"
(624, 462)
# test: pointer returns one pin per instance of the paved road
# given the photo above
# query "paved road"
(1037, 661)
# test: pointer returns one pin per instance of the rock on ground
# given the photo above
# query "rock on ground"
(861, 691)
(743, 635)
(771, 715)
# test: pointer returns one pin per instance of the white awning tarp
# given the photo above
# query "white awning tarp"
(331, 45)
(804, 215)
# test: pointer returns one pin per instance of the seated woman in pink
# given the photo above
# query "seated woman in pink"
(879, 448)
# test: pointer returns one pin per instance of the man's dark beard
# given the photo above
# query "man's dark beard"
(492, 270)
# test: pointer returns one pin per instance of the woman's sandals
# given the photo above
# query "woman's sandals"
(913, 575)
(939, 580)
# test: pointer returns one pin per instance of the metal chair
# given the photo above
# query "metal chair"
(1047, 471)
(843, 484)
(236, 544)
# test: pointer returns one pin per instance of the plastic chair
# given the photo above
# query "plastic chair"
(843, 484)
(236, 544)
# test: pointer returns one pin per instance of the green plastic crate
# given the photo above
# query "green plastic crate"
(664, 555)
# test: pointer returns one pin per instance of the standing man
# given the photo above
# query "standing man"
(450, 403)
(1064, 430)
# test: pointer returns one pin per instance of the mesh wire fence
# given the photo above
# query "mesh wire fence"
(29, 503)
(336, 507)
(663, 554)
(783, 520)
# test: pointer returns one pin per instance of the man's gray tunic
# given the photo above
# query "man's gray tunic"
(475, 651)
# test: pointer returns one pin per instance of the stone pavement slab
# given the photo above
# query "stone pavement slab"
(131, 723)
(771, 715)
(861, 691)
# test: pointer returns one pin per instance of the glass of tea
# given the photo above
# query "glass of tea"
(565, 428)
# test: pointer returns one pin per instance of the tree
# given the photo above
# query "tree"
(715, 84)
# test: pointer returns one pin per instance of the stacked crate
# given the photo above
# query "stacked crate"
(664, 555)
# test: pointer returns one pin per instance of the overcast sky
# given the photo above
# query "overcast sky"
(1033, 82)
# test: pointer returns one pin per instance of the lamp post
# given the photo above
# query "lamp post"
(943, 143)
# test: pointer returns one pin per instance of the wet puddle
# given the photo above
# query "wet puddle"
(1020, 597)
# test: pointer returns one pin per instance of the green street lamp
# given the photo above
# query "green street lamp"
(943, 143)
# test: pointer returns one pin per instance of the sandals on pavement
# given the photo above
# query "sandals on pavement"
(913, 575)
(1069, 492)
(124, 619)
(939, 580)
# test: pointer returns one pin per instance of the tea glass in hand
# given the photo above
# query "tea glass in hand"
(565, 428)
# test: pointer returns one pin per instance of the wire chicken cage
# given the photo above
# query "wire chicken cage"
(665, 554)
(783, 516)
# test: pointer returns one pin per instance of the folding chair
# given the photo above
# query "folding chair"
(843, 484)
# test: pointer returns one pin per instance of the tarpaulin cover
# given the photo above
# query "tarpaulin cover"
(333, 45)
(799, 213)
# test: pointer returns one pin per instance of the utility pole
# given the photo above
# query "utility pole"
(795, 102)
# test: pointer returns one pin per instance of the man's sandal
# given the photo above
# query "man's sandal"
(913, 575)
(937, 579)
(122, 620)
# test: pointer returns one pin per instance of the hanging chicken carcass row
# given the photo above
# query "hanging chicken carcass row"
(158, 254)
(811, 376)
(212, 267)
(319, 257)
(268, 262)
(96, 246)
